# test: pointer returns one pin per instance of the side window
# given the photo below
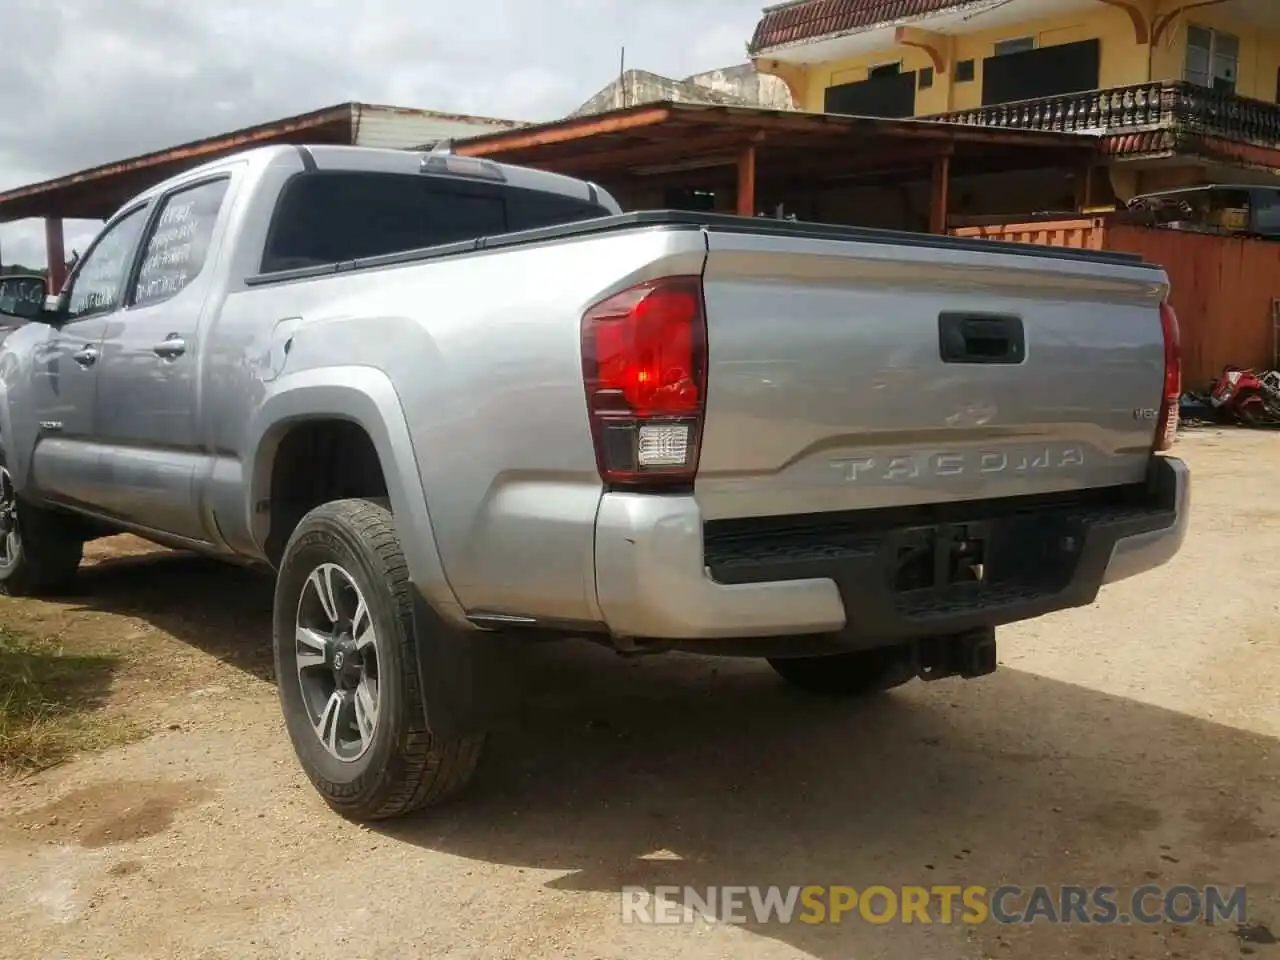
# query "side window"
(100, 275)
(324, 218)
(20, 295)
(1267, 214)
(179, 242)
(331, 217)
(1267, 219)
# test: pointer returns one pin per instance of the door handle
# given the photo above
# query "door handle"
(87, 357)
(171, 347)
(981, 338)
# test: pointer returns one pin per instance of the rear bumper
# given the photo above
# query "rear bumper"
(660, 576)
(1145, 551)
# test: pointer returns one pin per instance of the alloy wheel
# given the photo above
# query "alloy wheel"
(337, 658)
(10, 544)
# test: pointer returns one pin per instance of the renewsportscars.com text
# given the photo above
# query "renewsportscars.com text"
(937, 904)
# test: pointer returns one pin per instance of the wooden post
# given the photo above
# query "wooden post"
(747, 181)
(55, 253)
(1084, 188)
(939, 202)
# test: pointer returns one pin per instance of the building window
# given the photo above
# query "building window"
(1017, 45)
(965, 71)
(925, 80)
(885, 70)
(1213, 58)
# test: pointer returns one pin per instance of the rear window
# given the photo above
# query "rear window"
(324, 218)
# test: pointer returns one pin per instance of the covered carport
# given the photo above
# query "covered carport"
(755, 160)
(825, 167)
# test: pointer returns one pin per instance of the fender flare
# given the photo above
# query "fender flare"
(466, 675)
(366, 397)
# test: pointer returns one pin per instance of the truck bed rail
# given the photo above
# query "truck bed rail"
(690, 220)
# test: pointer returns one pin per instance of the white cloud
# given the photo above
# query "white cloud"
(84, 82)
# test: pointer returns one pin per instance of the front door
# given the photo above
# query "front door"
(148, 371)
(67, 465)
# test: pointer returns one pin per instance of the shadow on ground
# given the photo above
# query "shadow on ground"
(221, 609)
(730, 779)
(697, 772)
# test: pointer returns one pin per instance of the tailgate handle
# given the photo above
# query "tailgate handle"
(981, 338)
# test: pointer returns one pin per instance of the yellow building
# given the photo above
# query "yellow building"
(1183, 91)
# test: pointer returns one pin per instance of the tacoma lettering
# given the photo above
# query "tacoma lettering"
(985, 463)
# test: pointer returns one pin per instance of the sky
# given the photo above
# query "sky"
(85, 82)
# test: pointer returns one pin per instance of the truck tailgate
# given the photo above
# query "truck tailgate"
(856, 374)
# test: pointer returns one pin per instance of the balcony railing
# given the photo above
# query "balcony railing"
(1185, 107)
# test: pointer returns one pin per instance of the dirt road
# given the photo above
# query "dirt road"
(1133, 742)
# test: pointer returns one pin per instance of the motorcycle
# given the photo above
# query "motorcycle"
(1246, 397)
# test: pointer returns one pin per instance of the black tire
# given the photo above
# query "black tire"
(855, 674)
(39, 551)
(403, 766)
(1251, 418)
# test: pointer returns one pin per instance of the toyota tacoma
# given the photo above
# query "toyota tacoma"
(455, 407)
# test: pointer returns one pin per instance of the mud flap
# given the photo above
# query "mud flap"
(470, 680)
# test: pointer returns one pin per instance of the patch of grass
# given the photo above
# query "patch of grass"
(49, 701)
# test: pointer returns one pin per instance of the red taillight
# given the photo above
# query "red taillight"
(1167, 425)
(644, 362)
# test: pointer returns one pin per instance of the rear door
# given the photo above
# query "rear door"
(150, 365)
(855, 374)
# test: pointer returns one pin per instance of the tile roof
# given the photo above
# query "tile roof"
(818, 18)
(1140, 142)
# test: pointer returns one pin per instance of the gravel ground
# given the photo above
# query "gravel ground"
(1133, 742)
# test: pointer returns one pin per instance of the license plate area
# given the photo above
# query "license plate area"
(974, 558)
(939, 558)
(963, 568)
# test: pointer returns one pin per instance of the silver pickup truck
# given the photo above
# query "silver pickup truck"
(459, 407)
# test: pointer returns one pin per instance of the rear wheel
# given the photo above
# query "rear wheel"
(347, 673)
(1251, 416)
(39, 553)
(854, 674)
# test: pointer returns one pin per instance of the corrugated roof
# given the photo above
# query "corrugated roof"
(98, 191)
(806, 19)
(398, 128)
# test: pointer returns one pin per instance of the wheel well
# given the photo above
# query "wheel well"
(316, 462)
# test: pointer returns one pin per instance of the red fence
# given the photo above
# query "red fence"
(1223, 288)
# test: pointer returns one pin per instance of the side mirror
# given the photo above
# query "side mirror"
(23, 296)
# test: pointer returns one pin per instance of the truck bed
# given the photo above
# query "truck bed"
(839, 376)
